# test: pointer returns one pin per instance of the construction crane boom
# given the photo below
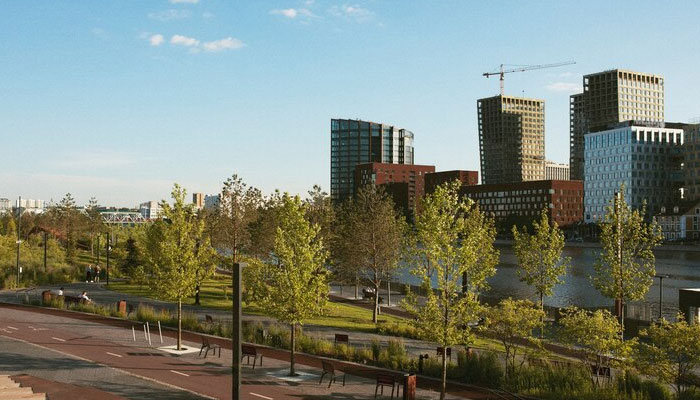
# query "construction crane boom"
(501, 72)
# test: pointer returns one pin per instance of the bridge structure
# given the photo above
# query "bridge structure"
(123, 218)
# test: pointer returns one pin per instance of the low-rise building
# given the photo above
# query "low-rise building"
(556, 171)
(524, 201)
(5, 205)
(435, 179)
(679, 221)
(151, 210)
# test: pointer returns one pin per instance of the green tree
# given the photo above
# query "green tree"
(510, 322)
(175, 249)
(452, 238)
(238, 208)
(263, 228)
(539, 255)
(671, 352)
(372, 238)
(625, 269)
(93, 224)
(294, 288)
(597, 336)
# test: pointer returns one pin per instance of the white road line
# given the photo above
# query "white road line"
(179, 373)
(261, 396)
(12, 327)
(112, 354)
(59, 339)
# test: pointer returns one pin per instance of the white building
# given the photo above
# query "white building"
(5, 205)
(151, 210)
(555, 171)
(646, 159)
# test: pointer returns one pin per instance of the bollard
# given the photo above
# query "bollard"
(46, 297)
(160, 333)
(148, 329)
(121, 307)
(409, 386)
(133, 332)
(420, 362)
(145, 337)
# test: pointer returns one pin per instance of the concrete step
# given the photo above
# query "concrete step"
(28, 396)
(10, 390)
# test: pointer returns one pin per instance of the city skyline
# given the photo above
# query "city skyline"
(121, 101)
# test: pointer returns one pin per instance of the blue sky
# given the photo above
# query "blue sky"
(119, 99)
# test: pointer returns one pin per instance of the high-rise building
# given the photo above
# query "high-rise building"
(198, 200)
(691, 161)
(211, 201)
(436, 179)
(646, 159)
(556, 171)
(611, 97)
(405, 183)
(357, 142)
(511, 139)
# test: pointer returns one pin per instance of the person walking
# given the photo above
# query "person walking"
(97, 272)
(88, 273)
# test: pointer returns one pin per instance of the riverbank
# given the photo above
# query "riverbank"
(597, 245)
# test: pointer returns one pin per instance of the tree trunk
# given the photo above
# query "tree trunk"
(443, 387)
(376, 304)
(357, 284)
(542, 317)
(179, 324)
(388, 293)
(292, 345)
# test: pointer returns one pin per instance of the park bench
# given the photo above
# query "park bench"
(448, 353)
(369, 295)
(331, 372)
(206, 344)
(250, 351)
(341, 338)
(386, 380)
(601, 372)
(73, 300)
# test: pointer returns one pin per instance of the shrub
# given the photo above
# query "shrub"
(397, 329)
(482, 369)
(344, 352)
(376, 349)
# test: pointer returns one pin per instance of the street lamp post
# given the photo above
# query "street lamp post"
(236, 334)
(109, 247)
(661, 291)
(19, 237)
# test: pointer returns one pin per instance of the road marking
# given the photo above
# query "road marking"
(59, 339)
(12, 327)
(112, 354)
(179, 373)
(261, 396)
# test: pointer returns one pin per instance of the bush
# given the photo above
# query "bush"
(689, 394)
(397, 329)
(482, 369)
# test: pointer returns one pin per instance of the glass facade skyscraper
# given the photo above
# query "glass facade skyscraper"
(358, 142)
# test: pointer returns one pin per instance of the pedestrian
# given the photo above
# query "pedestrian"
(97, 273)
(88, 273)
(85, 297)
(60, 292)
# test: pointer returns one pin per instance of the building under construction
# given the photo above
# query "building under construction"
(511, 139)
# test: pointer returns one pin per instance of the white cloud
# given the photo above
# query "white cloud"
(228, 43)
(184, 1)
(353, 12)
(564, 87)
(156, 40)
(207, 15)
(169, 15)
(292, 13)
(184, 41)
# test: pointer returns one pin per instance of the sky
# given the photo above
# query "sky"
(120, 99)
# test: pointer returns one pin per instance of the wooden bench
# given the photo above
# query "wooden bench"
(341, 338)
(331, 372)
(386, 380)
(248, 351)
(206, 344)
(448, 353)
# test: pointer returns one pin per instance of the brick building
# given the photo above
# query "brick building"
(435, 179)
(518, 203)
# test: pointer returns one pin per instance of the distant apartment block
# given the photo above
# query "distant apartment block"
(359, 142)
(691, 161)
(198, 200)
(5, 205)
(646, 159)
(151, 210)
(435, 179)
(511, 139)
(521, 201)
(405, 183)
(212, 201)
(608, 98)
(680, 221)
(556, 171)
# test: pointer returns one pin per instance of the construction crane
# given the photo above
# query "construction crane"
(522, 68)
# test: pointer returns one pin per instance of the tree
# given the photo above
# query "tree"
(372, 236)
(625, 269)
(320, 211)
(294, 288)
(452, 238)
(539, 254)
(175, 250)
(237, 209)
(597, 335)
(510, 322)
(671, 352)
(93, 223)
(263, 229)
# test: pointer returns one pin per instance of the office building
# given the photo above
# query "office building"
(691, 161)
(359, 142)
(646, 159)
(611, 97)
(151, 210)
(511, 139)
(211, 201)
(556, 171)
(679, 221)
(405, 183)
(517, 203)
(435, 179)
(198, 200)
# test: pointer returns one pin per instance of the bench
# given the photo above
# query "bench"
(340, 338)
(73, 300)
(386, 380)
(448, 353)
(331, 372)
(248, 351)
(369, 295)
(206, 344)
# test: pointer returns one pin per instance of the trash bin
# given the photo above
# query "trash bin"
(409, 386)
(46, 297)
(121, 307)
